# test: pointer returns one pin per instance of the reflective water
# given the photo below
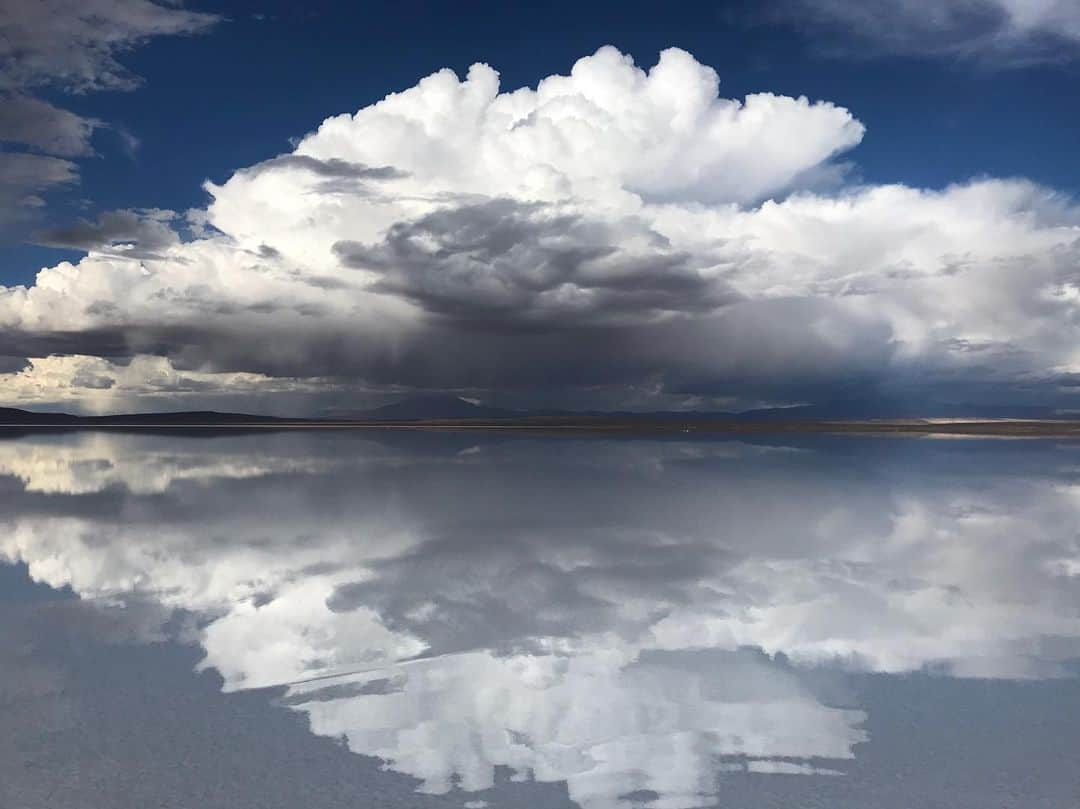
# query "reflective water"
(353, 619)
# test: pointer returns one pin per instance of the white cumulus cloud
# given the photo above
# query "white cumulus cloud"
(609, 232)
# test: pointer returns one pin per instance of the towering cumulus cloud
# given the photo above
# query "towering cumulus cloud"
(614, 234)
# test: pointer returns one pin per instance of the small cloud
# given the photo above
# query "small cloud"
(129, 143)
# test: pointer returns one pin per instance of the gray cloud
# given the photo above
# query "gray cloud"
(142, 233)
(998, 32)
(44, 127)
(70, 45)
(73, 44)
(477, 594)
(338, 176)
(23, 179)
(518, 266)
(112, 343)
(333, 168)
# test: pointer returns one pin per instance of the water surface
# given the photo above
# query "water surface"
(336, 619)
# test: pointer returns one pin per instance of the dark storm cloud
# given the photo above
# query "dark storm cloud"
(784, 350)
(753, 351)
(98, 343)
(517, 266)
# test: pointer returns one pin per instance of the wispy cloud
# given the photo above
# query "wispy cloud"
(71, 46)
(998, 33)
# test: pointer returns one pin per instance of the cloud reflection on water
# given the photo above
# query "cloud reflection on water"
(630, 617)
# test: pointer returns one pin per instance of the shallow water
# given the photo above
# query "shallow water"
(390, 619)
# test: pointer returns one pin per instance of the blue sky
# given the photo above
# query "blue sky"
(953, 93)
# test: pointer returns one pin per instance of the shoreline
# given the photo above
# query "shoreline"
(978, 428)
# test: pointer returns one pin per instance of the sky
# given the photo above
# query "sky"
(303, 209)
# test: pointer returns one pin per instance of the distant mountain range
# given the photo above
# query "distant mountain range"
(455, 410)
(442, 407)
(15, 417)
(435, 406)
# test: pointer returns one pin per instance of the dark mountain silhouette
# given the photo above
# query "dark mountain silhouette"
(11, 415)
(870, 409)
(14, 416)
(452, 411)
